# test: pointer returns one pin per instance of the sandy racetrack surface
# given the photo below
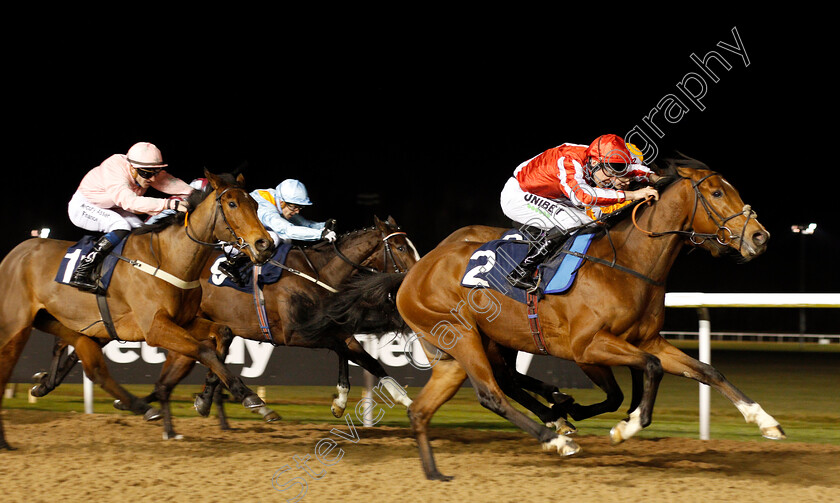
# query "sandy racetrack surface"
(72, 457)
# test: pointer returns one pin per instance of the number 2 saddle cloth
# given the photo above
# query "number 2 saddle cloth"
(490, 264)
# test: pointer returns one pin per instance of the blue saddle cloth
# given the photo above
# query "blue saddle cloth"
(491, 263)
(74, 256)
(269, 273)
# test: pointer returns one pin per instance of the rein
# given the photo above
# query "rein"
(723, 235)
(238, 242)
(387, 253)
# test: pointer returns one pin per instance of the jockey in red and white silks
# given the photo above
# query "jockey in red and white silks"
(555, 188)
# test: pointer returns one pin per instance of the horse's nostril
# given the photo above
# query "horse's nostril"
(760, 238)
(262, 244)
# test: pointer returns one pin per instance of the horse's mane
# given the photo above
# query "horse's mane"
(193, 200)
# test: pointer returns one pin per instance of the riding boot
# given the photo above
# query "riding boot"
(523, 276)
(83, 275)
(232, 268)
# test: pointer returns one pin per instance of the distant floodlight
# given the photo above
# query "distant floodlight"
(802, 229)
(45, 232)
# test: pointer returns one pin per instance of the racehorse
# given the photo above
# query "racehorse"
(289, 304)
(607, 318)
(142, 305)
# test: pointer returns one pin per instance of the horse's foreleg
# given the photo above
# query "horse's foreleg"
(9, 355)
(166, 334)
(607, 349)
(604, 378)
(676, 362)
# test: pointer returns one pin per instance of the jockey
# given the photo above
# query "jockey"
(554, 190)
(279, 210)
(110, 196)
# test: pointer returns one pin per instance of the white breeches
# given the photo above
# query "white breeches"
(536, 211)
(93, 218)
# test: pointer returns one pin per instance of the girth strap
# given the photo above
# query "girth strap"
(534, 322)
(102, 302)
(259, 303)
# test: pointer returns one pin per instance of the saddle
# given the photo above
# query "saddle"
(490, 265)
(81, 248)
(268, 273)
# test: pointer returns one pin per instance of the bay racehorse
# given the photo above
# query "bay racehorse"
(607, 318)
(289, 306)
(142, 305)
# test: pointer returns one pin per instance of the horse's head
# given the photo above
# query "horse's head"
(381, 248)
(398, 252)
(719, 219)
(239, 224)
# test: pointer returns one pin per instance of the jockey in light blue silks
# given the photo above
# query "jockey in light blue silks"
(279, 210)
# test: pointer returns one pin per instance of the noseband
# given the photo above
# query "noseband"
(723, 235)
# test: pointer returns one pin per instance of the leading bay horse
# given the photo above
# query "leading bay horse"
(142, 306)
(608, 317)
(289, 306)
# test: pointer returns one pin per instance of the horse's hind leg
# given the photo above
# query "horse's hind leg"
(447, 376)
(89, 351)
(9, 355)
(676, 362)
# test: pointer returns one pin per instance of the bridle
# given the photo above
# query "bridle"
(238, 242)
(723, 235)
(387, 253)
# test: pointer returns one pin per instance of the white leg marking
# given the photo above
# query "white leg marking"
(626, 429)
(341, 401)
(753, 413)
(397, 393)
(564, 446)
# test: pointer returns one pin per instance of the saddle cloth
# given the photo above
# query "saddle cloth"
(490, 264)
(269, 273)
(74, 256)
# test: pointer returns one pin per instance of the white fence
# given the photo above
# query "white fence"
(702, 301)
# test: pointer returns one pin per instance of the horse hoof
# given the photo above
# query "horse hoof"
(626, 429)
(172, 436)
(564, 446)
(252, 402)
(272, 417)
(562, 426)
(38, 390)
(773, 433)
(38, 376)
(152, 414)
(439, 476)
(202, 406)
(336, 410)
(119, 405)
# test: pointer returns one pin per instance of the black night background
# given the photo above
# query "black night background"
(428, 129)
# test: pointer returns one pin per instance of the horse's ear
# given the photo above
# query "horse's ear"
(392, 221)
(240, 179)
(377, 222)
(213, 179)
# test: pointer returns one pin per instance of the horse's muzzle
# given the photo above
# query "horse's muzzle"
(263, 250)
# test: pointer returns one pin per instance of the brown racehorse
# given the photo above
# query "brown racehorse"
(292, 299)
(142, 306)
(608, 317)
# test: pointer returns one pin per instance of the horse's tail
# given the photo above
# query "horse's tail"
(364, 305)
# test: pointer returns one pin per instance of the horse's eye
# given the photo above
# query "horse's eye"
(401, 248)
(717, 193)
(232, 204)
